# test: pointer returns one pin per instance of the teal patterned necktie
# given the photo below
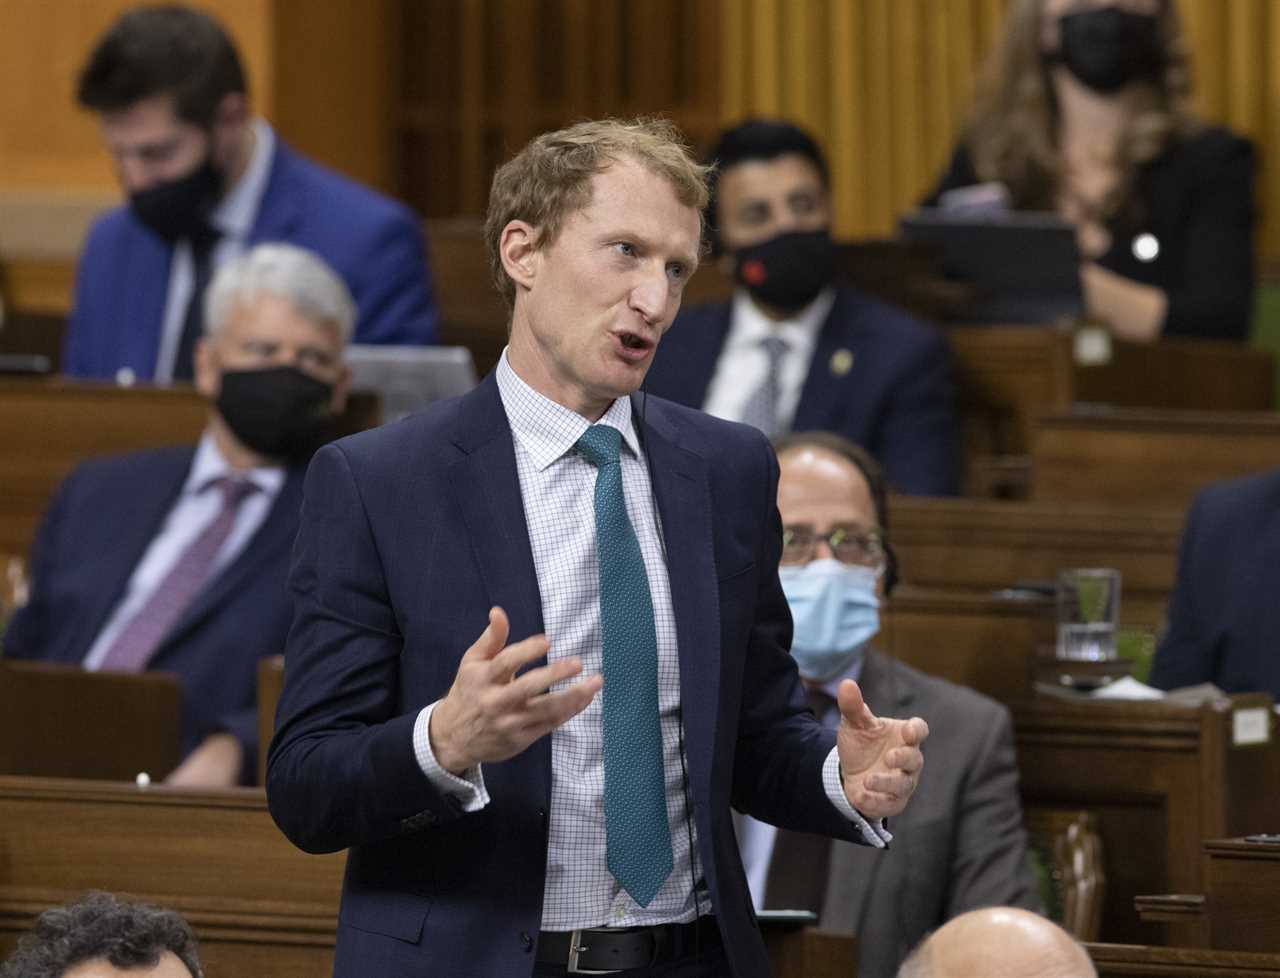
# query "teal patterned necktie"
(635, 799)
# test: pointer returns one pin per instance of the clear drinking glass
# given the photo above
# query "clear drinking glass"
(1088, 608)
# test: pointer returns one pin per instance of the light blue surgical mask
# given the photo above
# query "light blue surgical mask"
(836, 610)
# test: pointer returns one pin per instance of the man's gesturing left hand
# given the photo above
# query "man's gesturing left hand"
(880, 759)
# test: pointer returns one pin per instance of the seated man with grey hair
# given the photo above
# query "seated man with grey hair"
(101, 936)
(999, 942)
(176, 559)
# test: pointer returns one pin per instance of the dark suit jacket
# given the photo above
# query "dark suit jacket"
(374, 243)
(409, 534)
(1197, 199)
(1223, 614)
(896, 401)
(959, 845)
(99, 525)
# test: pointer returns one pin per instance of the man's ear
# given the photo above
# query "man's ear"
(518, 249)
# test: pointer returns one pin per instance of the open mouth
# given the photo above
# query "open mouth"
(632, 346)
(633, 342)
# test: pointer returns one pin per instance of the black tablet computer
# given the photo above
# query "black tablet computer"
(1025, 265)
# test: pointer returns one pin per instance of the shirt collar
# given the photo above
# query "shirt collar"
(209, 466)
(750, 325)
(547, 430)
(236, 212)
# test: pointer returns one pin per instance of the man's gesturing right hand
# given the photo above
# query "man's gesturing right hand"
(490, 714)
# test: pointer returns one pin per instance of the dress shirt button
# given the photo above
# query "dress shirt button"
(526, 941)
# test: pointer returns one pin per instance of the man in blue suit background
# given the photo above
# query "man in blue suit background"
(176, 559)
(1223, 616)
(205, 180)
(793, 352)
(469, 580)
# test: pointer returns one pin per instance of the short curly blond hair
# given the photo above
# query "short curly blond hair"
(551, 178)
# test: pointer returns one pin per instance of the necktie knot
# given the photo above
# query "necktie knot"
(234, 491)
(600, 445)
(775, 348)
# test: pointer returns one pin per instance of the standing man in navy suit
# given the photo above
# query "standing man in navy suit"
(540, 642)
(792, 351)
(205, 180)
(176, 560)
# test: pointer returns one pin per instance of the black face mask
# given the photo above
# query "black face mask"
(279, 412)
(180, 208)
(1107, 48)
(787, 272)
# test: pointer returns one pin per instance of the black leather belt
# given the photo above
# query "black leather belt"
(610, 949)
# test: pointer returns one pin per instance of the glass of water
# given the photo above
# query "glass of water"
(1088, 608)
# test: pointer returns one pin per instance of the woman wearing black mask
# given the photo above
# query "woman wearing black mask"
(1084, 109)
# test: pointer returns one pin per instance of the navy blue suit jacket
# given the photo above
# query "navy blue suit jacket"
(374, 243)
(896, 400)
(99, 525)
(1223, 614)
(409, 534)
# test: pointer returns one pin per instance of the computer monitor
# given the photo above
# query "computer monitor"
(408, 378)
(1025, 265)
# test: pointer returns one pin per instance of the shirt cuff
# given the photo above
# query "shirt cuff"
(468, 789)
(874, 833)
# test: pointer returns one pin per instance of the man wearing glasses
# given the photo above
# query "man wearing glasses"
(960, 845)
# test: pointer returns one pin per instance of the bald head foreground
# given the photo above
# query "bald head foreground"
(999, 942)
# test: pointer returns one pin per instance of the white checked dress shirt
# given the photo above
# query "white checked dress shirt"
(558, 487)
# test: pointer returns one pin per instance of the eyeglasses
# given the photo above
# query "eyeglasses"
(849, 545)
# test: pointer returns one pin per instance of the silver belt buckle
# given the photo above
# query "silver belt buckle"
(576, 947)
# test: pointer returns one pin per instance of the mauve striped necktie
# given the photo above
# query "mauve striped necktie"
(138, 640)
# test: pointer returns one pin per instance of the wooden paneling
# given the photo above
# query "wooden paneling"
(981, 641)
(1242, 895)
(1139, 458)
(1139, 961)
(481, 77)
(980, 545)
(1160, 778)
(258, 905)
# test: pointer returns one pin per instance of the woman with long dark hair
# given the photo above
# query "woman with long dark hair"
(1084, 109)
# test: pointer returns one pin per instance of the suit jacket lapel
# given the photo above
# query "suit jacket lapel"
(142, 301)
(486, 486)
(280, 209)
(681, 487)
(120, 558)
(701, 352)
(823, 389)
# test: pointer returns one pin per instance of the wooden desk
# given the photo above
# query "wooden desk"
(1242, 892)
(976, 545)
(47, 427)
(1137, 961)
(1160, 779)
(977, 640)
(259, 906)
(1147, 459)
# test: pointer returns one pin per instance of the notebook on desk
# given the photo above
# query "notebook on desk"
(60, 721)
(1025, 265)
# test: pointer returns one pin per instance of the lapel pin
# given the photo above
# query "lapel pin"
(841, 362)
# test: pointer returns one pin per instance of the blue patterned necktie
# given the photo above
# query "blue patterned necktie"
(635, 799)
(761, 409)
